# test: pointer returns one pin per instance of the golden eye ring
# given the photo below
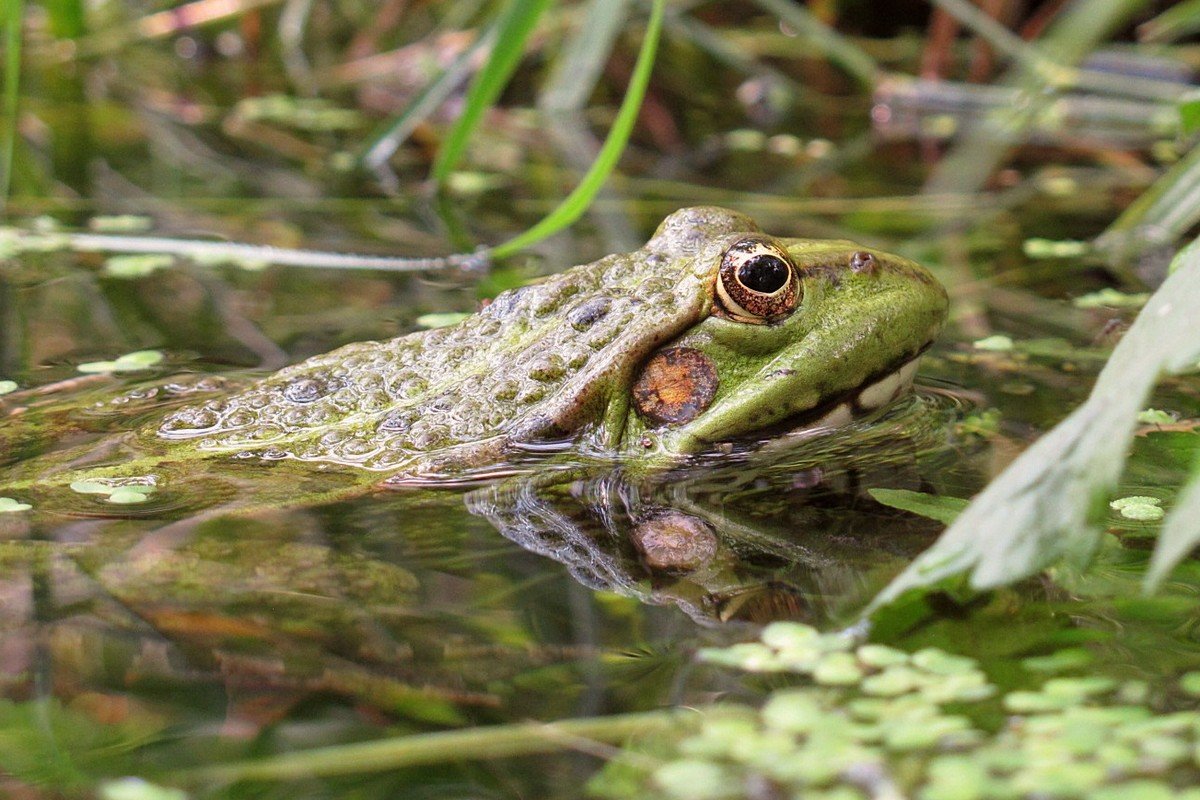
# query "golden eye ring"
(758, 282)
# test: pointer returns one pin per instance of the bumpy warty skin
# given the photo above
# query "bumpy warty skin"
(537, 362)
(555, 361)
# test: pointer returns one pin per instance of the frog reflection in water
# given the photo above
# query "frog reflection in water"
(713, 331)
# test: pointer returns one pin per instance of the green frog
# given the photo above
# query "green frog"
(713, 331)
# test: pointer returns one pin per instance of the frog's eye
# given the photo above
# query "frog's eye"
(757, 282)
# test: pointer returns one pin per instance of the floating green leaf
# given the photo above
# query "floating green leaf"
(121, 223)
(1138, 507)
(578, 200)
(130, 362)
(1111, 298)
(1154, 416)
(138, 789)
(137, 266)
(998, 344)
(7, 387)
(9, 505)
(122, 491)
(441, 319)
(514, 28)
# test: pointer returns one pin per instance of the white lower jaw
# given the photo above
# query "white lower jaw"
(869, 398)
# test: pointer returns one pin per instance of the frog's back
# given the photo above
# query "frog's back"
(534, 364)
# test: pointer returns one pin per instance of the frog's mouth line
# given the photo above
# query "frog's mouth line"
(873, 394)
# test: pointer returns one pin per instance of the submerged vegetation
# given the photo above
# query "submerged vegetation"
(166, 168)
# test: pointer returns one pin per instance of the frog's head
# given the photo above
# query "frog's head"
(797, 332)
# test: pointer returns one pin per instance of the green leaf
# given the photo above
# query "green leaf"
(515, 26)
(1043, 507)
(137, 266)
(942, 509)
(578, 200)
(996, 344)
(97, 367)
(125, 495)
(1111, 298)
(441, 319)
(91, 486)
(130, 362)
(1155, 416)
(140, 358)
(7, 386)
(9, 505)
(138, 789)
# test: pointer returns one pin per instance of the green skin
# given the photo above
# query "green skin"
(555, 361)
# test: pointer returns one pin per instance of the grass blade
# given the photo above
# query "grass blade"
(387, 137)
(514, 28)
(582, 58)
(497, 741)
(578, 200)
(12, 88)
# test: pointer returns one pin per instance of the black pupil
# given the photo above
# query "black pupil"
(764, 273)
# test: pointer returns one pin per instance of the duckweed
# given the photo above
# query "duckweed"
(9, 505)
(441, 319)
(871, 720)
(1111, 298)
(1154, 416)
(121, 223)
(123, 491)
(1190, 683)
(130, 362)
(995, 344)
(1138, 507)
(137, 266)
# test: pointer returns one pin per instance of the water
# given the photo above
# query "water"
(266, 609)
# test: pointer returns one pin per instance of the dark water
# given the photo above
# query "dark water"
(145, 638)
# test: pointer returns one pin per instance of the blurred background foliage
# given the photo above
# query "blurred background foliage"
(1039, 156)
(445, 102)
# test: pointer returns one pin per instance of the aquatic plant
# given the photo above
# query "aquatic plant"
(868, 720)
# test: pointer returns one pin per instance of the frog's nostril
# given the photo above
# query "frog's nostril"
(862, 261)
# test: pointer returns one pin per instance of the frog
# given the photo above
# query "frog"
(713, 331)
